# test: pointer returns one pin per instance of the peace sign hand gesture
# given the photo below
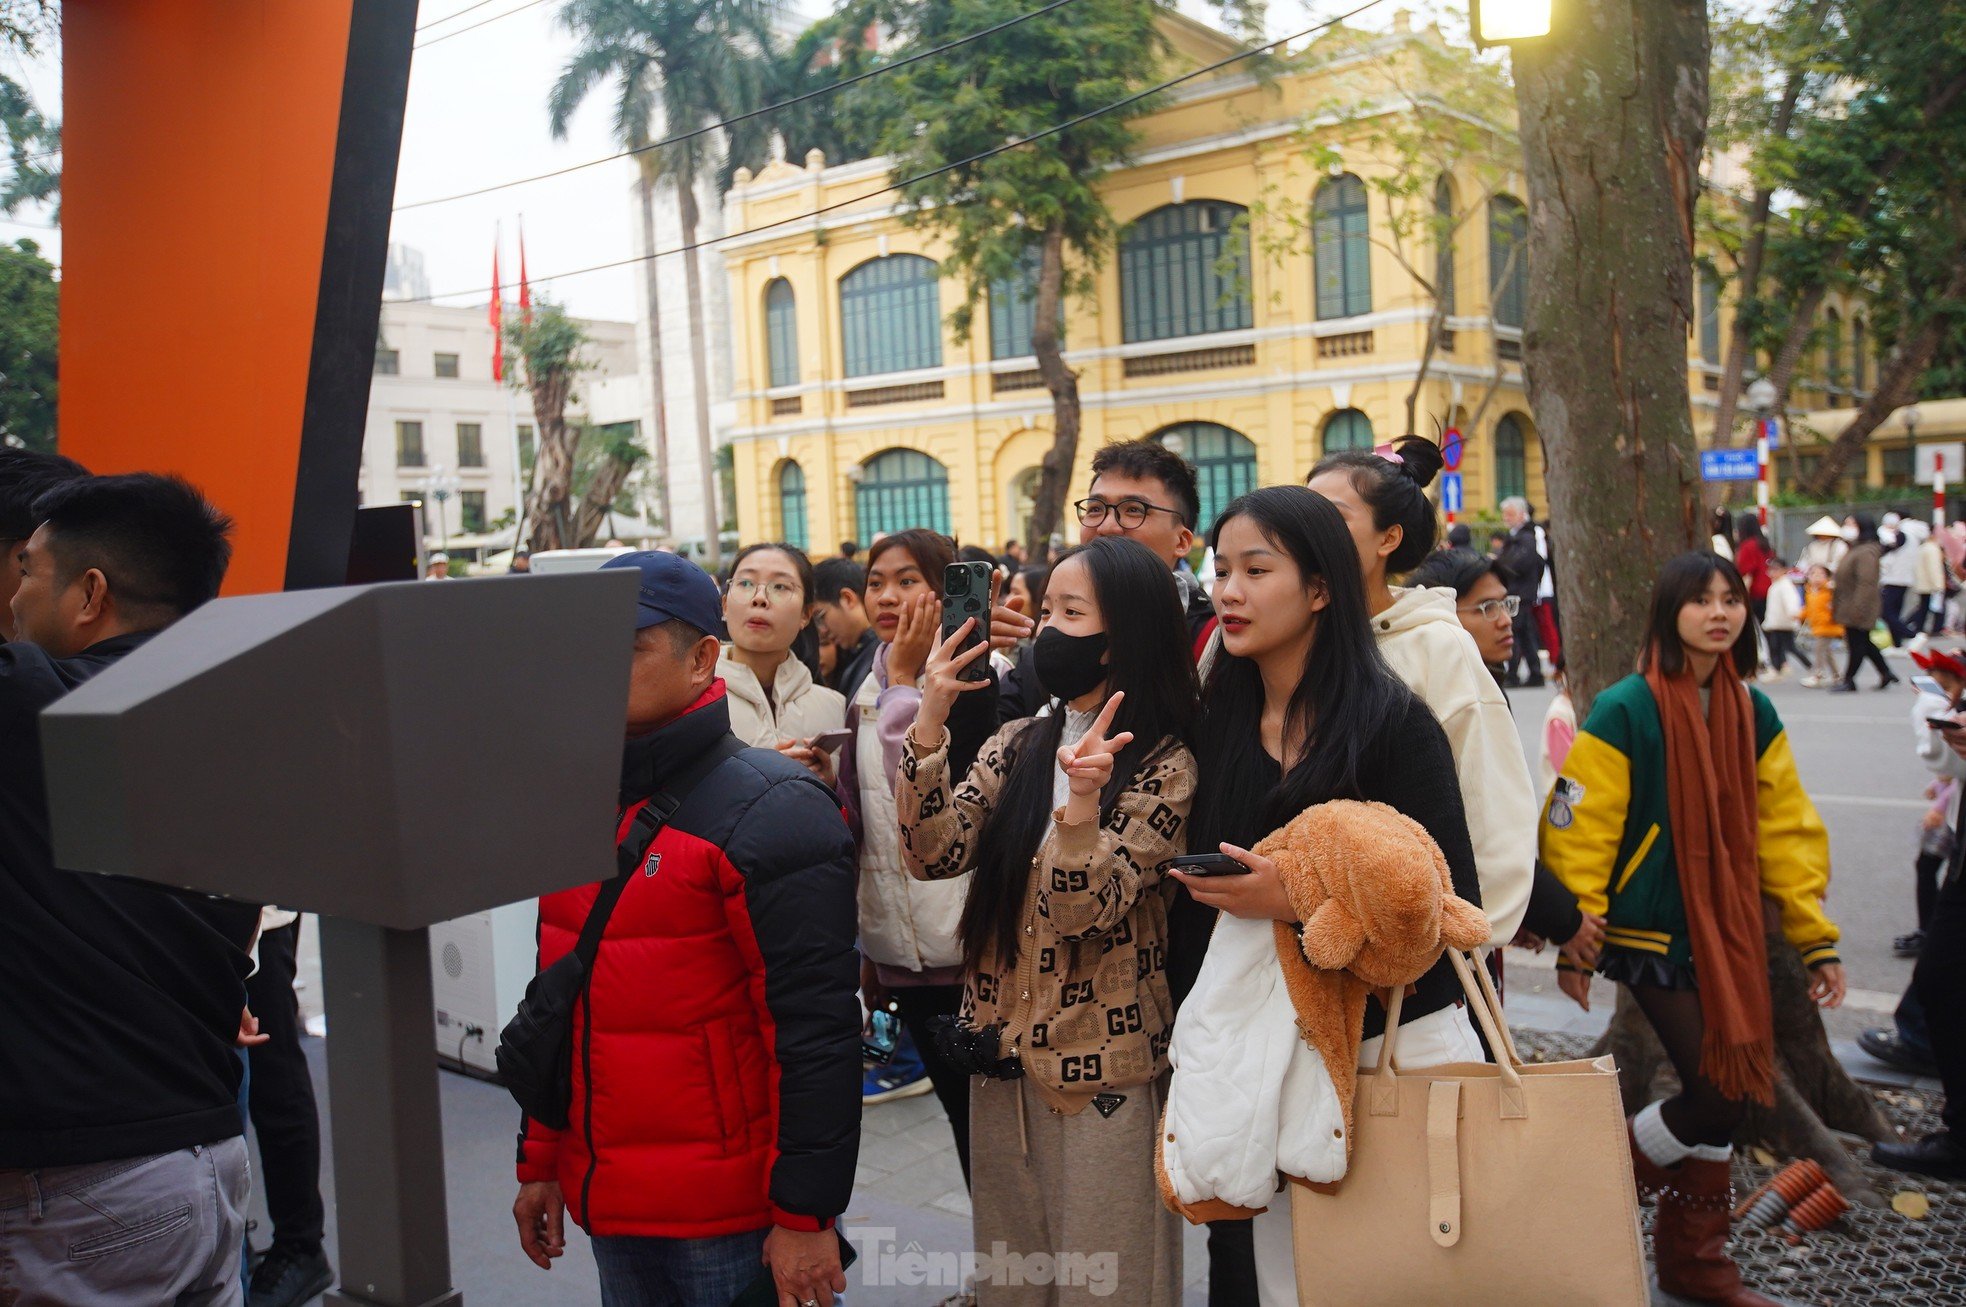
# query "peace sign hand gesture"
(1088, 765)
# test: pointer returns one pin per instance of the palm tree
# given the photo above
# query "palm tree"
(674, 65)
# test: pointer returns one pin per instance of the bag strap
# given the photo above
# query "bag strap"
(1383, 1090)
(644, 824)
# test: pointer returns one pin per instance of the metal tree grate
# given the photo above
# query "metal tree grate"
(1870, 1254)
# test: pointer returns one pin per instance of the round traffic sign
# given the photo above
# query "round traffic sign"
(1451, 448)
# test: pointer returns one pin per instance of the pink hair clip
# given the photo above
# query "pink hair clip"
(1388, 453)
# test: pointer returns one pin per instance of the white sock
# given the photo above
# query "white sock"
(1656, 1140)
(1712, 1152)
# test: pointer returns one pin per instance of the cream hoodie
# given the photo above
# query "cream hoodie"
(1422, 639)
(804, 708)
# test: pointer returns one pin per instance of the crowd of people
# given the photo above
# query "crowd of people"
(867, 851)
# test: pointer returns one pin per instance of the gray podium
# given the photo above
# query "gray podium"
(388, 756)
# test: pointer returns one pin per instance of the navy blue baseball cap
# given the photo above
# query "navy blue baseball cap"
(673, 589)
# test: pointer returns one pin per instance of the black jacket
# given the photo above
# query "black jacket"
(122, 1000)
(1523, 562)
(855, 663)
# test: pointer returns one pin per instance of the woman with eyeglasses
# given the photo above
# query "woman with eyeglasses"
(1382, 495)
(1487, 611)
(774, 702)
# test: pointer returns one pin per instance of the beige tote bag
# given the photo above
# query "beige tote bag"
(1475, 1184)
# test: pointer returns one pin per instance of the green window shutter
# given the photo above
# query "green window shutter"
(1508, 230)
(1184, 271)
(1347, 429)
(890, 316)
(792, 504)
(1444, 231)
(1511, 460)
(782, 333)
(1341, 253)
(1224, 461)
(899, 489)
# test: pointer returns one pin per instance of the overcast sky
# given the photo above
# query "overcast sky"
(477, 116)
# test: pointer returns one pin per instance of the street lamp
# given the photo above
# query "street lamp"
(441, 485)
(1909, 415)
(1499, 22)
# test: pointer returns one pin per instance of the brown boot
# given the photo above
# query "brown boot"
(1651, 1177)
(1689, 1237)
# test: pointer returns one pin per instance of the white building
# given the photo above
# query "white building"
(442, 432)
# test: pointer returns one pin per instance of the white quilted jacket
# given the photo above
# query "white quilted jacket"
(1249, 1097)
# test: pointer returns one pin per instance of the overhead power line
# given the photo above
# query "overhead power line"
(693, 133)
(905, 182)
(482, 22)
(439, 22)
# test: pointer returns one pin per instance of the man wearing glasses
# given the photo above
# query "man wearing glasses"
(1146, 492)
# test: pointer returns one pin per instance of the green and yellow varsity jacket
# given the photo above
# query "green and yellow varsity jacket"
(1606, 833)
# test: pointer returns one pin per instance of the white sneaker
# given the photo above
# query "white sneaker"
(1812, 682)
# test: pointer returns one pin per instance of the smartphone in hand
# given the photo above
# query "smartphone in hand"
(831, 741)
(1205, 864)
(966, 595)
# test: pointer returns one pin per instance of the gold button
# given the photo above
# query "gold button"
(1025, 994)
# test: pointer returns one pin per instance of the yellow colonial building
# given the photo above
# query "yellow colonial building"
(1253, 317)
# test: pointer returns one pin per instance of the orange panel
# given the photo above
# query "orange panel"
(199, 146)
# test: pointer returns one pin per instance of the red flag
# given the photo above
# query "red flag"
(497, 317)
(525, 287)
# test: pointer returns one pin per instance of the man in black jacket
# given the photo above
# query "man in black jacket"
(123, 1176)
(1524, 563)
(25, 476)
(839, 600)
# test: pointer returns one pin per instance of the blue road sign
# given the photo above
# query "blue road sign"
(1727, 465)
(1773, 430)
(1450, 492)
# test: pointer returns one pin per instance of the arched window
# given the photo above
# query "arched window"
(1709, 316)
(1508, 260)
(1347, 429)
(1341, 248)
(900, 489)
(1511, 459)
(1224, 462)
(1444, 242)
(1833, 353)
(792, 503)
(1859, 356)
(891, 316)
(781, 334)
(1184, 271)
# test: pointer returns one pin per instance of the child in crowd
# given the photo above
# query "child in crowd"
(1824, 631)
(1783, 602)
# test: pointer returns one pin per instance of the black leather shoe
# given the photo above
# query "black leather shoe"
(1891, 1048)
(290, 1276)
(1887, 682)
(1938, 1155)
(1908, 946)
(1843, 687)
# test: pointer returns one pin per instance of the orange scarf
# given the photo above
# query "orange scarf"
(1711, 802)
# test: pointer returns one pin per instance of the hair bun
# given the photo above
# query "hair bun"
(1420, 458)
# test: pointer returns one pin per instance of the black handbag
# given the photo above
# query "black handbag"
(535, 1050)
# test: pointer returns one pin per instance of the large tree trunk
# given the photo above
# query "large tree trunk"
(1788, 358)
(1055, 474)
(1813, 1094)
(1740, 341)
(607, 481)
(550, 508)
(1897, 384)
(699, 367)
(1614, 118)
(652, 293)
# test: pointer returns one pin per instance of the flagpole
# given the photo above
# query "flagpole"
(519, 484)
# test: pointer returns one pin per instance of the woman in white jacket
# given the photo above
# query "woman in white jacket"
(1383, 498)
(774, 702)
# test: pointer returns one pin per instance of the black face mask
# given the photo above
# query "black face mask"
(1069, 665)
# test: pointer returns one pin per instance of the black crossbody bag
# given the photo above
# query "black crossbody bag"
(535, 1050)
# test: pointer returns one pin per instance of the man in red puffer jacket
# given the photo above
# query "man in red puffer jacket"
(715, 1116)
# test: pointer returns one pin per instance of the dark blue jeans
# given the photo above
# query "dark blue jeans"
(639, 1271)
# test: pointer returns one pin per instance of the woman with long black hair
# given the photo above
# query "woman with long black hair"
(1677, 813)
(1064, 821)
(1301, 709)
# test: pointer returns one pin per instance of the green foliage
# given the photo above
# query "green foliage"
(826, 53)
(551, 345)
(940, 112)
(616, 442)
(29, 316)
(673, 64)
(33, 141)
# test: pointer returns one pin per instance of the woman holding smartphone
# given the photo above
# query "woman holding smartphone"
(774, 702)
(907, 928)
(1061, 827)
(1300, 709)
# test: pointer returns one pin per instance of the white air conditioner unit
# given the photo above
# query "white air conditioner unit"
(479, 968)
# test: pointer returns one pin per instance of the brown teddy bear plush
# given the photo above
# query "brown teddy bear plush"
(1378, 907)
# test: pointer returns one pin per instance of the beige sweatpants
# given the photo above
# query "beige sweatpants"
(1065, 1206)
